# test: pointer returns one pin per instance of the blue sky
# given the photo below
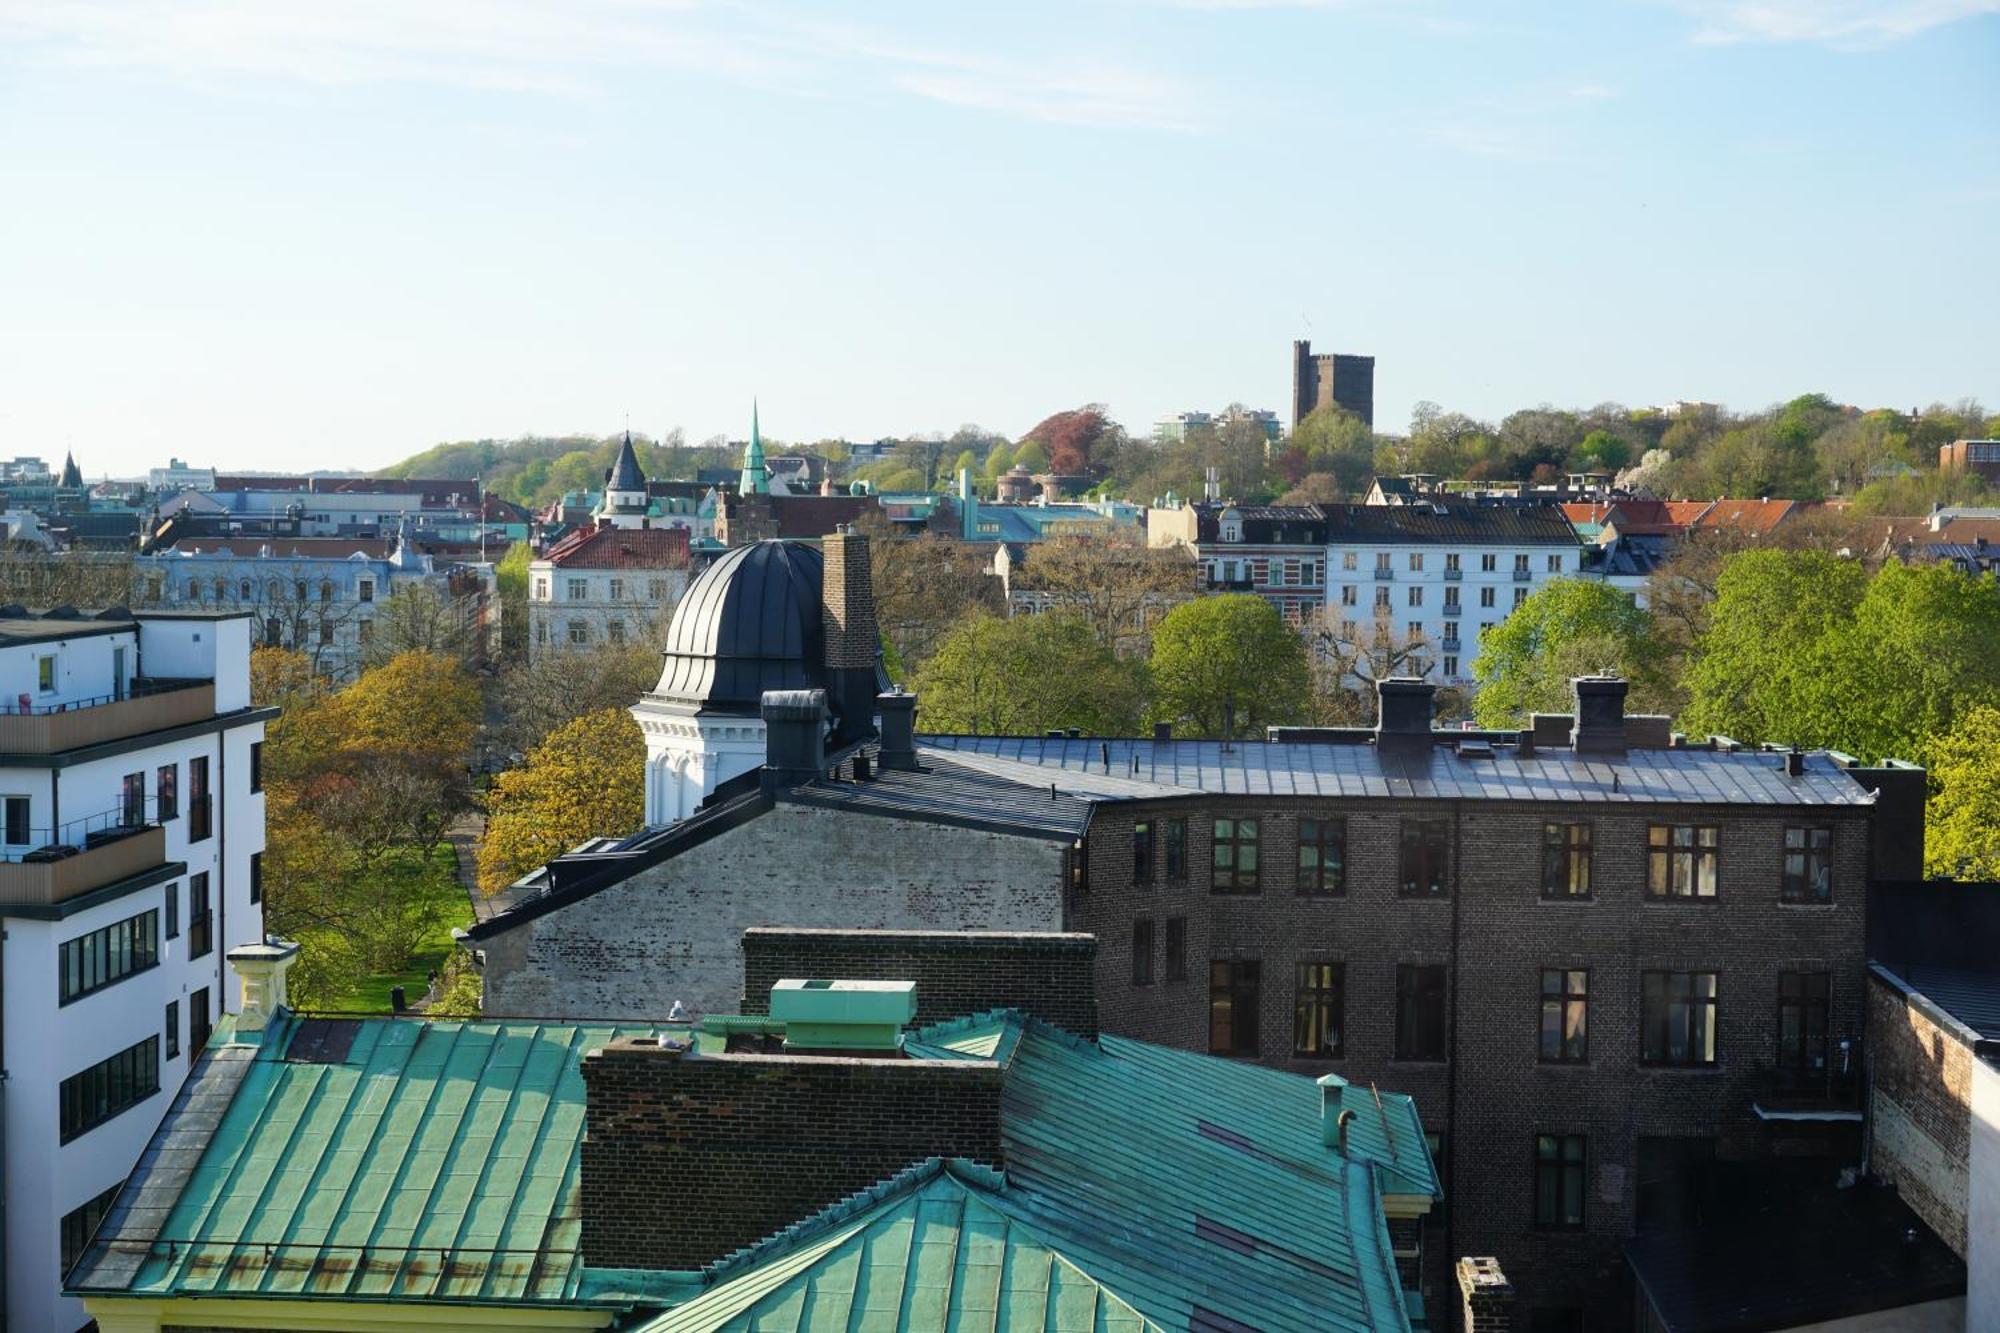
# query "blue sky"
(332, 234)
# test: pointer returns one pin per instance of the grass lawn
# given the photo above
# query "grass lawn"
(440, 874)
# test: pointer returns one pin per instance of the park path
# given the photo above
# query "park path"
(464, 835)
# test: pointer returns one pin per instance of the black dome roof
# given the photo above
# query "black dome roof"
(750, 623)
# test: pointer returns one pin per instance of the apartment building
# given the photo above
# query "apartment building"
(1598, 961)
(131, 843)
(606, 585)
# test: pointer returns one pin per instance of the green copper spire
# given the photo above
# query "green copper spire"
(756, 480)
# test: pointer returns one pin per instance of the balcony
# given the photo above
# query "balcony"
(85, 855)
(1454, 575)
(1830, 1094)
(1522, 575)
(27, 727)
(1449, 644)
(1241, 584)
(1452, 608)
(1385, 575)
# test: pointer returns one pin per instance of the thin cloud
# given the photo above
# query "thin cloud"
(1846, 23)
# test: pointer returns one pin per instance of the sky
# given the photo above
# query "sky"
(331, 234)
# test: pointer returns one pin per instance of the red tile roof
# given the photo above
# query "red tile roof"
(621, 548)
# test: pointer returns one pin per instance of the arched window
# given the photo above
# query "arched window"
(326, 590)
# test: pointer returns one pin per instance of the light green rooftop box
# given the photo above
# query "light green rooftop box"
(843, 1015)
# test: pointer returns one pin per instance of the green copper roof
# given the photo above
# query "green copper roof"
(1144, 1187)
(377, 1159)
(931, 1250)
(756, 478)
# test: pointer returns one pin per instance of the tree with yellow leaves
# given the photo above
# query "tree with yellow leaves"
(586, 780)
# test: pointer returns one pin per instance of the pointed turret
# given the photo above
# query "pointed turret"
(624, 503)
(72, 475)
(756, 478)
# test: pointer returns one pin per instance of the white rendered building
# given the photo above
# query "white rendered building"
(131, 844)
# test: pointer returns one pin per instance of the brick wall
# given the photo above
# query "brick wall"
(1920, 1108)
(1051, 976)
(688, 1158)
(1505, 934)
(673, 931)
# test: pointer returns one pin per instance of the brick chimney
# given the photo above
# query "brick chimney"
(1486, 1297)
(847, 610)
(1404, 723)
(1600, 714)
(688, 1157)
(898, 710)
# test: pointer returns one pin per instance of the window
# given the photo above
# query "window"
(1416, 594)
(365, 590)
(1318, 1013)
(1424, 856)
(89, 1098)
(1350, 560)
(1232, 1006)
(1414, 631)
(579, 589)
(1565, 861)
(1322, 857)
(1677, 1018)
(1142, 851)
(1555, 564)
(1416, 562)
(1349, 594)
(1235, 856)
(171, 1027)
(615, 631)
(199, 941)
(656, 590)
(1419, 1012)
(221, 590)
(1488, 563)
(199, 822)
(132, 799)
(45, 674)
(246, 590)
(80, 1224)
(1520, 564)
(579, 632)
(1559, 1181)
(325, 632)
(194, 590)
(1808, 866)
(17, 822)
(541, 631)
(1565, 1016)
(1520, 596)
(1451, 562)
(1451, 667)
(617, 590)
(89, 963)
(173, 900)
(1486, 596)
(1142, 952)
(166, 791)
(257, 763)
(1176, 849)
(1680, 860)
(200, 1021)
(1176, 948)
(1451, 597)
(1802, 1008)
(326, 590)
(256, 877)
(1382, 560)
(541, 590)
(1381, 596)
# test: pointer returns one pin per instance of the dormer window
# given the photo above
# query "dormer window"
(1232, 525)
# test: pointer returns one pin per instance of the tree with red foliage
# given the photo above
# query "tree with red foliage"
(1069, 437)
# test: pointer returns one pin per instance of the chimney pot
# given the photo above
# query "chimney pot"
(262, 968)
(794, 736)
(1332, 1112)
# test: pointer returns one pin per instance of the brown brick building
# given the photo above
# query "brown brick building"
(1594, 966)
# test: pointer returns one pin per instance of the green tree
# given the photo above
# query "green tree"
(586, 780)
(999, 459)
(965, 462)
(510, 575)
(1765, 669)
(1032, 457)
(1601, 451)
(1340, 444)
(1229, 657)
(1962, 834)
(1568, 628)
(1918, 653)
(1026, 674)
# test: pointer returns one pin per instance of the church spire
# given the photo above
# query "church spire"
(756, 478)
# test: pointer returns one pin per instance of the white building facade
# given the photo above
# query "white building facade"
(605, 586)
(131, 846)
